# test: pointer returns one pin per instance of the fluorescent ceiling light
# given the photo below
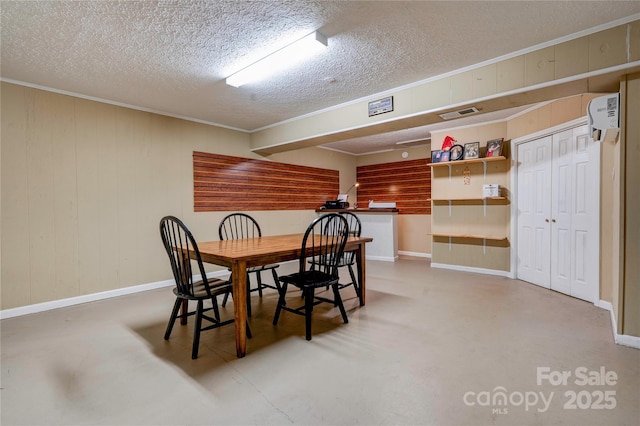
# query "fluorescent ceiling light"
(280, 59)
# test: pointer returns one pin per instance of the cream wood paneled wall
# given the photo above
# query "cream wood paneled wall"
(595, 52)
(414, 153)
(609, 218)
(549, 115)
(412, 229)
(630, 224)
(84, 185)
(619, 224)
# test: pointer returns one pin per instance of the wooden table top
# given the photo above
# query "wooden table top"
(262, 250)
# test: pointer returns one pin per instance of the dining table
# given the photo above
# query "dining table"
(240, 254)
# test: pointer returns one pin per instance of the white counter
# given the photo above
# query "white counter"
(382, 226)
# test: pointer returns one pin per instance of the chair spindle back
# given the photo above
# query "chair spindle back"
(178, 241)
(238, 226)
(325, 240)
(355, 229)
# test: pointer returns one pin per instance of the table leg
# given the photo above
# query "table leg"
(239, 278)
(360, 264)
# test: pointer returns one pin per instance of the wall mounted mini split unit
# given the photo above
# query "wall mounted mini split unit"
(604, 118)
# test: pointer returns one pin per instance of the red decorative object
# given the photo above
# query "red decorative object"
(448, 143)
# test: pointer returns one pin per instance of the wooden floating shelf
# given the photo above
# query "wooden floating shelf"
(474, 160)
(474, 237)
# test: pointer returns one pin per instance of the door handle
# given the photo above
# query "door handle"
(546, 220)
(553, 220)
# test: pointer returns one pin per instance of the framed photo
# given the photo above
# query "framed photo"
(444, 157)
(494, 148)
(471, 150)
(436, 156)
(456, 153)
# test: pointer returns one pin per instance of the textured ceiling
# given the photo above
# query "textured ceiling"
(173, 56)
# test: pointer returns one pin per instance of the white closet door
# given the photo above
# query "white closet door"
(534, 207)
(558, 213)
(585, 217)
(562, 211)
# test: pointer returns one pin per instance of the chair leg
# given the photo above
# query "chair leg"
(196, 331)
(249, 334)
(216, 311)
(308, 310)
(259, 279)
(283, 292)
(226, 296)
(172, 319)
(356, 285)
(276, 280)
(338, 301)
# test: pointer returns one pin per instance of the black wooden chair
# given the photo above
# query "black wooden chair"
(240, 226)
(178, 242)
(324, 241)
(348, 259)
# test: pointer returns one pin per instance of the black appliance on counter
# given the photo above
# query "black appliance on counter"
(335, 204)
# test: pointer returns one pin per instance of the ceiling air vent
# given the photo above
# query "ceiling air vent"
(458, 114)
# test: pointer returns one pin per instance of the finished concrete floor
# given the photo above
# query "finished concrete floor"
(431, 347)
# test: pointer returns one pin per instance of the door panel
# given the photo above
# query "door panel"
(585, 217)
(533, 209)
(561, 194)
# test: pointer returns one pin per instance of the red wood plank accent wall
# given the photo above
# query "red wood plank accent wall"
(225, 183)
(408, 183)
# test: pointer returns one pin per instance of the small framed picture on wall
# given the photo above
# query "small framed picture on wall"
(494, 148)
(471, 150)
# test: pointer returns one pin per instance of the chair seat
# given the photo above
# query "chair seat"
(216, 286)
(309, 279)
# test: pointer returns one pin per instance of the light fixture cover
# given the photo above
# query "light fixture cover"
(280, 59)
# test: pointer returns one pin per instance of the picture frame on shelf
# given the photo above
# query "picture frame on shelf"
(436, 156)
(444, 157)
(471, 150)
(456, 153)
(494, 148)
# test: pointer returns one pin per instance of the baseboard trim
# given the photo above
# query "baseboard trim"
(620, 339)
(382, 258)
(71, 301)
(414, 254)
(496, 272)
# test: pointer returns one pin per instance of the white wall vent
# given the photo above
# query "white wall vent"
(458, 114)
